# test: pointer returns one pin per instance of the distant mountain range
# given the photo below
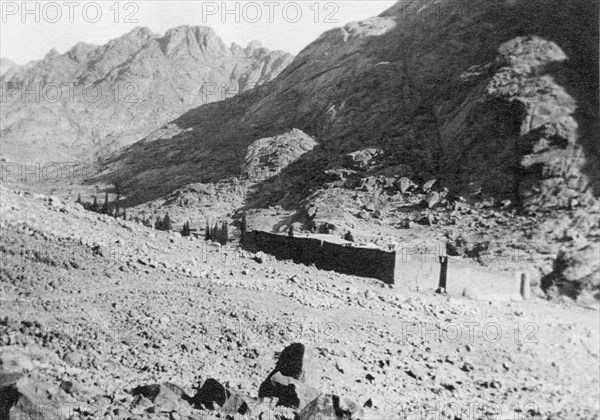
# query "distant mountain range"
(93, 99)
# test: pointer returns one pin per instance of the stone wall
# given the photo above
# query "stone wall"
(364, 262)
(415, 272)
(423, 275)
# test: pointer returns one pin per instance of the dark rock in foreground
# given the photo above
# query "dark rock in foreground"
(287, 381)
(213, 395)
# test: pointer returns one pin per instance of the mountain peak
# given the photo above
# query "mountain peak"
(136, 37)
(192, 40)
(80, 51)
(139, 32)
(252, 47)
(53, 53)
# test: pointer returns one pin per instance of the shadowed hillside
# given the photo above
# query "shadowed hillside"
(494, 96)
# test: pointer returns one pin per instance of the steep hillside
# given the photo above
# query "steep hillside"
(497, 100)
(94, 99)
(498, 96)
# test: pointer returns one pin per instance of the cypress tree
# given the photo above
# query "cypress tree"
(185, 231)
(95, 204)
(79, 198)
(225, 234)
(124, 214)
(167, 224)
(207, 231)
(104, 209)
(244, 227)
(117, 204)
(291, 231)
(215, 234)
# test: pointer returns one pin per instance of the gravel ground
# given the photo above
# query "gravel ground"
(92, 307)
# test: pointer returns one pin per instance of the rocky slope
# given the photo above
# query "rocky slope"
(114, 94)
(94, 308)
(492, 96)
(497, 100)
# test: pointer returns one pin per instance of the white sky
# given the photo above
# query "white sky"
(278, 25)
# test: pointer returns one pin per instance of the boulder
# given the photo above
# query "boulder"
(213, 395)
(433, 199)
(362, 160)
(24, 398)
(55, 201)
(166, 396)
(289, 391)
(428, 185)
(74, 358)
(574, 271)
(405, 185)
(332, 407)
(287, 381)
(14, 362)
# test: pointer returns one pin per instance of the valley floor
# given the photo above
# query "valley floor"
(108, 305)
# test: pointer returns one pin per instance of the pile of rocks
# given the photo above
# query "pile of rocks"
(286, 393)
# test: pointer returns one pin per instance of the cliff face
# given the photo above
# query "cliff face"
(94, 99)
(494, 97)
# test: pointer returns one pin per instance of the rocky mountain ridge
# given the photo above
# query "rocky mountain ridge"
(94, 99)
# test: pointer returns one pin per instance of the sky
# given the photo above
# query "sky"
(28, 30)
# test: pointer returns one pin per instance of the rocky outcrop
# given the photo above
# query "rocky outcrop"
(533, 153)
(95, 99)
(269, 156)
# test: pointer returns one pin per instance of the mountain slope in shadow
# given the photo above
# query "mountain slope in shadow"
(499, 97)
